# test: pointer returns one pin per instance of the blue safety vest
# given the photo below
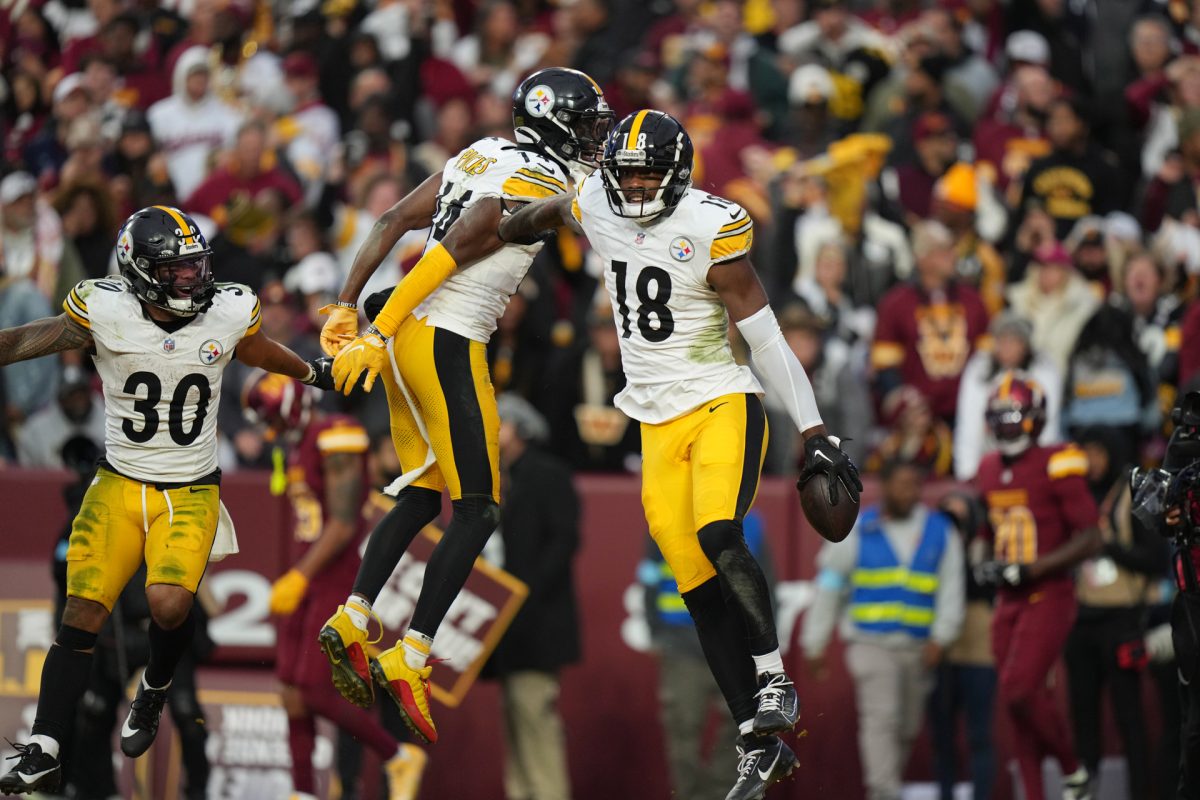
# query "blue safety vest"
(890, 597)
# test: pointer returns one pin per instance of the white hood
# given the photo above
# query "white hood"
(187, 60)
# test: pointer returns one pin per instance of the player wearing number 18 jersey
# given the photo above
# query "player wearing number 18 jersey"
(1042, 522)
(676, 269)
(161, 334)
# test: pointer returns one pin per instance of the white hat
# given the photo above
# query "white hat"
(68, 84)
(1122, 225)
(1028, 46)
(315, 273)
(809, 81)
(16, 186)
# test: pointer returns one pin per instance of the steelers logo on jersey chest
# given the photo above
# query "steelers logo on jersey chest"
(210, 351)
(682, 248)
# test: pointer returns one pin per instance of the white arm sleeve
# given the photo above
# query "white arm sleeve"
(779, 368)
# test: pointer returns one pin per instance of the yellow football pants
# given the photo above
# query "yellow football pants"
(699, 468)
(447, 377)
(123, 521)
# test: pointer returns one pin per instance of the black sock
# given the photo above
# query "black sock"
(415, 508)
(475, 519)
(742, 582)
(723, 639)
(166, 648)
(65, 676)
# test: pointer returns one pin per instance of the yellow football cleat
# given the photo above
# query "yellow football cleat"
(346, 648)
(404, 772)
(409, 688)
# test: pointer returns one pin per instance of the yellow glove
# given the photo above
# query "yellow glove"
(340, 328)
(368, 353)
(287, 592)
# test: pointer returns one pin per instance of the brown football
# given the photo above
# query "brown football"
(831, 521)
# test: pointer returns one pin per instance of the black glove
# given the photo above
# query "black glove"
(322, 374)
(823, 454)
(998, 573)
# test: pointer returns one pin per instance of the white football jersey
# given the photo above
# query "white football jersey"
(161, 388)
(674, 329)
(473, 298)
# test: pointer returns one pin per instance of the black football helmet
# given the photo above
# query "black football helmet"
(163, 254)
(563, 113)
(1016, 412)
(647, 140)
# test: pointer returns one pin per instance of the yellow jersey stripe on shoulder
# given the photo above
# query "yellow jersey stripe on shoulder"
(635, 129)
(727, 248)
(75, 316)
(576, 212)
(1066, 463)
(74, 295)
(739, 230)
(519, 187)
(737, 223)
(76, 310)
(542, 176)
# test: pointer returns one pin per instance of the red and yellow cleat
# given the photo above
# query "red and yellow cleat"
(409, 688)
(346, 648)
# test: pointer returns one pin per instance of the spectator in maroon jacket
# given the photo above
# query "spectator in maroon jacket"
(911, 187)
(928, 328)
(249, 171)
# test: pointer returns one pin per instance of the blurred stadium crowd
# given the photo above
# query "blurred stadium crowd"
(941, 189)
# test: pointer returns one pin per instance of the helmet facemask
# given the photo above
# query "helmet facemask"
(1014, 427)
(183, 286)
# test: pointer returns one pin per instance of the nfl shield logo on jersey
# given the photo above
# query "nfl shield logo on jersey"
(682, 248)
(168, 345)
(210, 351)
(641, 237)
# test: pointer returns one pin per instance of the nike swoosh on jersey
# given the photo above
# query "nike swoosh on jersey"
(711, 409)
(766, 776)
(36, 775)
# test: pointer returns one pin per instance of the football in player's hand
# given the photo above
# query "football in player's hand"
(833, 522)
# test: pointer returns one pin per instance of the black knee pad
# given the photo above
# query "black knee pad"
(478, 508)
(724, 544)
(74, 638)
(422, 503)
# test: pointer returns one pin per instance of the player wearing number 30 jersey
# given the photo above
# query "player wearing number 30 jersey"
(161, 334)
(676, 270)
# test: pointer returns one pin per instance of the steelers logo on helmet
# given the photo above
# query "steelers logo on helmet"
(647, 166)
(540, 100)
(166, 260)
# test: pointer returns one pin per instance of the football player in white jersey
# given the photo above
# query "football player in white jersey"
(676, 270)
(161, 334)
(429, 343)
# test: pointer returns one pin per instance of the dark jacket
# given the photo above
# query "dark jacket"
(539, 524)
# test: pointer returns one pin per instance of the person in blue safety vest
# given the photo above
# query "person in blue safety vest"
(898, 577)
(687, 692)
